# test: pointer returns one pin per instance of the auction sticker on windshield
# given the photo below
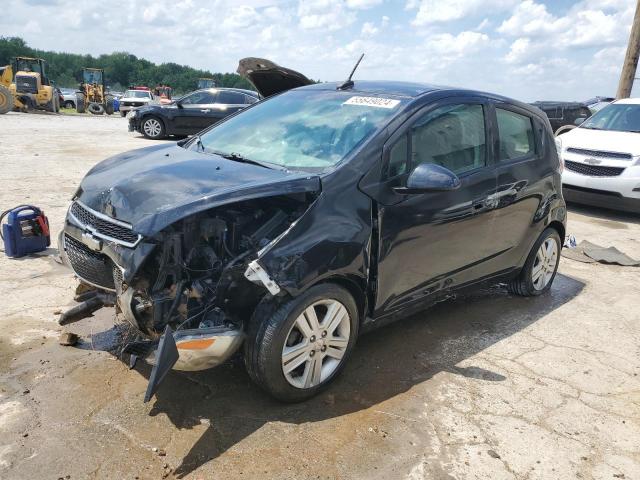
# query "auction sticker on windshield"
(373, 102)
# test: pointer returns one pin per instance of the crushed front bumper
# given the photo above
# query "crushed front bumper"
(110, 266)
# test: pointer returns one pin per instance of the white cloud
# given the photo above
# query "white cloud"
(368, 29)
(324, 14)
(554, 51)
(438, 11)
(363, 4)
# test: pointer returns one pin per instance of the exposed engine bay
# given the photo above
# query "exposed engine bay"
(195, 278)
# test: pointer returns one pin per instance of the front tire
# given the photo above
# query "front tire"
(541, 266)
(152, 128)
(69, 104)
(6, 100)
(297, 351)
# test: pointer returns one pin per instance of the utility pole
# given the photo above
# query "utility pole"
(631, 58)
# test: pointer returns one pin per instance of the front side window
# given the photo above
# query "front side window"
(199, 98)
(310, 130)
(516, 139)
(452, 136)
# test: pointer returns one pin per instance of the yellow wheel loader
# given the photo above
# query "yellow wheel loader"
(6, 96)
(92, 95)
(31, 88)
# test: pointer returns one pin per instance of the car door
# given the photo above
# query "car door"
(438, 240)
(193, 110)
(227, 102)
(520, 140)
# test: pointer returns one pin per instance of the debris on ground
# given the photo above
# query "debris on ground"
(68, 339)
(588, 252)
(493, 454)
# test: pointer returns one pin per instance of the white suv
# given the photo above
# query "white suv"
(602, 158)
(134, 99)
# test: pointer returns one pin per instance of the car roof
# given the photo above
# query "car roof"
(401, 89)
(629, 101)
(415, 90)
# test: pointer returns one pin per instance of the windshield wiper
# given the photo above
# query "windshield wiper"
(198, 142)
(236, 157)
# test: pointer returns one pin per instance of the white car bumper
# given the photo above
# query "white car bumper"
(617, 192)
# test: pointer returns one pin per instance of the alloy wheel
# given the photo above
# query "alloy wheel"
(545, 263)
(152, 127)
(316, 343)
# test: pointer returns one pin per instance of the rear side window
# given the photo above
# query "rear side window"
(452, 136)
(516, 139)
(230, 98)
(249, 99)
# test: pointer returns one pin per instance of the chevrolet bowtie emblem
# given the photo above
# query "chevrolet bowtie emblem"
(592, 161)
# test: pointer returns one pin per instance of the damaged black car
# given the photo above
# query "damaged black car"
(291, 227)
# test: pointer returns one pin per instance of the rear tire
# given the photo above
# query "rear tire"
(6, 100)
(294, 360)
(152, 128)
(80, 105)
(96, 108)
(541, 266)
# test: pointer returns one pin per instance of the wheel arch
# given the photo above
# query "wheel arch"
(354, 285)
(559, 226)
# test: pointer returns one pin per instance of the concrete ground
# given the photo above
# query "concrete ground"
(486, 386)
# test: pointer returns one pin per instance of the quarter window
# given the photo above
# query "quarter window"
(516, 137)
(398, 158)
(452, 136)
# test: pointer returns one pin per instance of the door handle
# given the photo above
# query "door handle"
(206, 110)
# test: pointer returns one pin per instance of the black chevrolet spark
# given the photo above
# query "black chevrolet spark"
(293, 226)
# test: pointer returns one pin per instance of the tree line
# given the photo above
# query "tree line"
(121, 69)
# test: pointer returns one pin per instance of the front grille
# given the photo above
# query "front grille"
(593, 170)
(599, 153)
(26, 84)
(133, 104)
(94, 267)
(103, 227)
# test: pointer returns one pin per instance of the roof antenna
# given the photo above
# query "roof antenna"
(348, 83)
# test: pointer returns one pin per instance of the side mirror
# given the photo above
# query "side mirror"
(579, 121)
(179, 104)
(428, 177)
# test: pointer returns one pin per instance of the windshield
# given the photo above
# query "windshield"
(621, 117)
(92, 76)
(136, 94)
(307, 130)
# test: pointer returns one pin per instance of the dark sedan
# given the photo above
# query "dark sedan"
(190, 114)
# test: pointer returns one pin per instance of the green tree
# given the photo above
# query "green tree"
(121, 68)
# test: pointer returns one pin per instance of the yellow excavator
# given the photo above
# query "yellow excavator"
(28, 86)
(92, 95)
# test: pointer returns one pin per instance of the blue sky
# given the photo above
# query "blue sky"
(529, 49)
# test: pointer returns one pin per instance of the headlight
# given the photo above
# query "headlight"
(132, 114)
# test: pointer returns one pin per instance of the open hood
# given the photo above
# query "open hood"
(269, 78)
(156, 186)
